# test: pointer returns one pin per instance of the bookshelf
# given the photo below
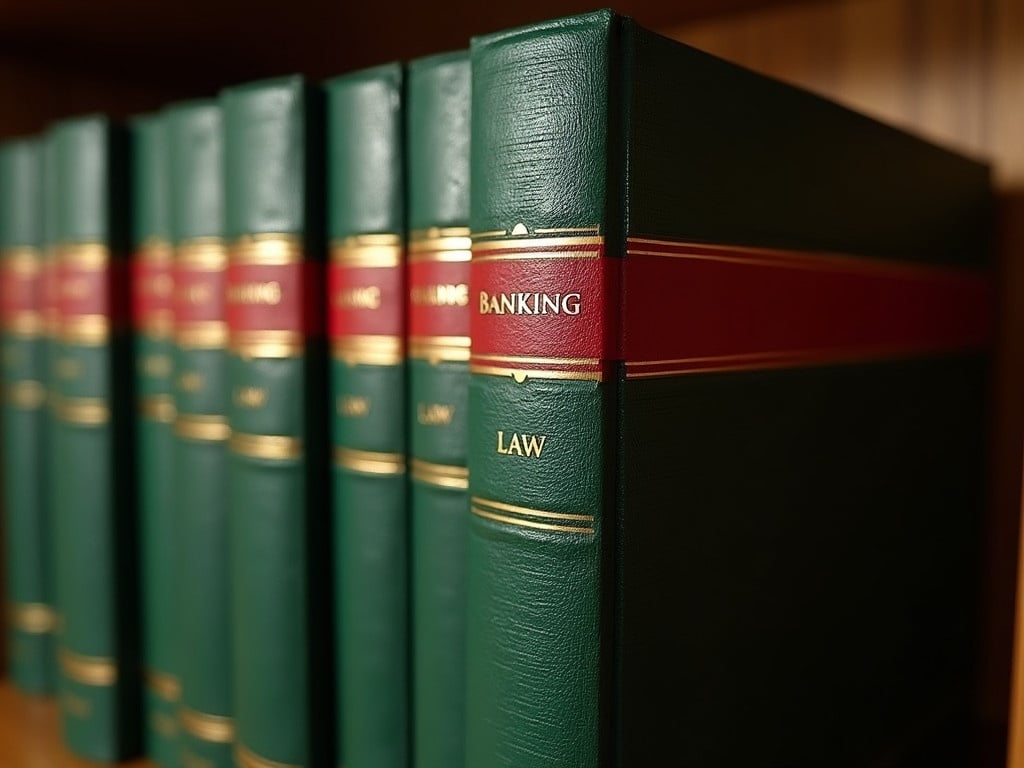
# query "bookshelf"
(952, 70)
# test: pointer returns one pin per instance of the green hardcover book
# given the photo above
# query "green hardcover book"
(730, 352)
(277, 469)
(437, 155)
(366, 323)
(26, 481)
(95, 519)
(152, 289)
(195, 145)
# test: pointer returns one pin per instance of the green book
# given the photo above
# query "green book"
(277, 467)
(152, 289)
(29, 584)
(195, 148)
(728, 410)
(437, 155)
(95, 516)
(366, 323)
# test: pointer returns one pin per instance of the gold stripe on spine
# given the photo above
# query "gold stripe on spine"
(450, 244)
(158, 325)
(246, 758)
(208, 254)
(267, 344)
(85, 411)
(442, 475)
(158, 408)
(367, 251)
(156, 251)
(84, 256)
(215, 728)
(32, 618)
(27, 394)
(87, 670)
(436, 349)
(85, 330)
(370, 462)
(26, 324)
(202, 334)
(512, 514)
(22, 260)
(539, 243)
(202, 427)
(276, 447)
(166, 686)
(271, 250)
(368, 350)
(521, 375)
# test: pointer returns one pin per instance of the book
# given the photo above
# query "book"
(730, 350)
(366, 324)
(31, 619)
(96, 514)
(277, 467)
(152, 292)
(195, 151)
(437, 156)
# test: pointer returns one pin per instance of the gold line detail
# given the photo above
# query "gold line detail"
(156, 251)
(272, 250)
(521, 375)
(534, 255)
(85, 330)
(32, 618)
(502, 506)
(27, 394)
(87, 670)
(23, 260)
(86, 411)
(216, 728)
(532, 243)
(376, 251)
(368, 349)
(370, 462)
(267, 344)
(202, 334)
(26, 324)
(158, 325)
(84, 256)
(202, 427)
(272, 447)
(158, 408)
(246, 758)
(436, 349)
(166, 686)
(354, 241)
(538, 360)
(449, 244)
(530, 523)
(442, 475)
(206, 254)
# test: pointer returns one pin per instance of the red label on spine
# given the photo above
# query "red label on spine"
(278, 297)
(22, 291)
(51, 293)
(152, 290)
(439, 301)
(198, 294)
(365, 300)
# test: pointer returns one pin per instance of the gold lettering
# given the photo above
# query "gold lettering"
(363, 297)
(434, 414)
(156, 365)
(530, 446)
(68, 368)
(530, 303)
(195, 294)
(255, 293)
(444, 295)
(353, 406)
(191, 382)
(250, 397)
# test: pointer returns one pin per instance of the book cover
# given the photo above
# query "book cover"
(366, 323)
(152, 290)
(277, 466)
(195, 152)
(437, 156)
(96, 514)
(29, 579)
(728, 404)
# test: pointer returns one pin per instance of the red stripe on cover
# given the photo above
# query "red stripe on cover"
(439, 298)
(278, 297)
(86, 290)
(22, 291)
(152, 290)
(365, 300)
(198, 294)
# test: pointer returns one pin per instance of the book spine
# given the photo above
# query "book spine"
(201, 430)
(438, 360)
(273, 310)
(152, 288)
(541, 400)
(366, 285)
(30, 601)
(96, 541)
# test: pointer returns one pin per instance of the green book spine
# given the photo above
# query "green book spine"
(95, 517)
(152, 288)
(366, 286)
(437, 156)
(277, 501)
(31, 618)
(195, 147)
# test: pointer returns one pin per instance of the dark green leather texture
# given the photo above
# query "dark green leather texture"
(366, 196)
(438, 111)
(29, 582)
(96, 512)
(278, 526)
(196, 193)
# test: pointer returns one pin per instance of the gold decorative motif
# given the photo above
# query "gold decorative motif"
(158, 408)
(208, 254)
(87, 670)
(84, 256)
(368, 349)
(215, 728)
(246, 758)
(22, 260)
(276, 447)
(85, 330)
(383, 250)
(27, 394)
(267, 344)
(85, 411)
(521, 516)
(32, 618)
(370, 462)
(202, 427)
(166, 686)
(436, 349)
(449, 244)
(269, 250)
(26, 324)
(202, 334)
(442, 475)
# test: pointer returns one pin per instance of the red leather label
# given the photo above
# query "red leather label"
(22, 291)
(365, 300)
(439, 302)
(198, 294)
(279, 297)
(90, 290)
(152, 290)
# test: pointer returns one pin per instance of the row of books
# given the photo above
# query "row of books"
(575, 399)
